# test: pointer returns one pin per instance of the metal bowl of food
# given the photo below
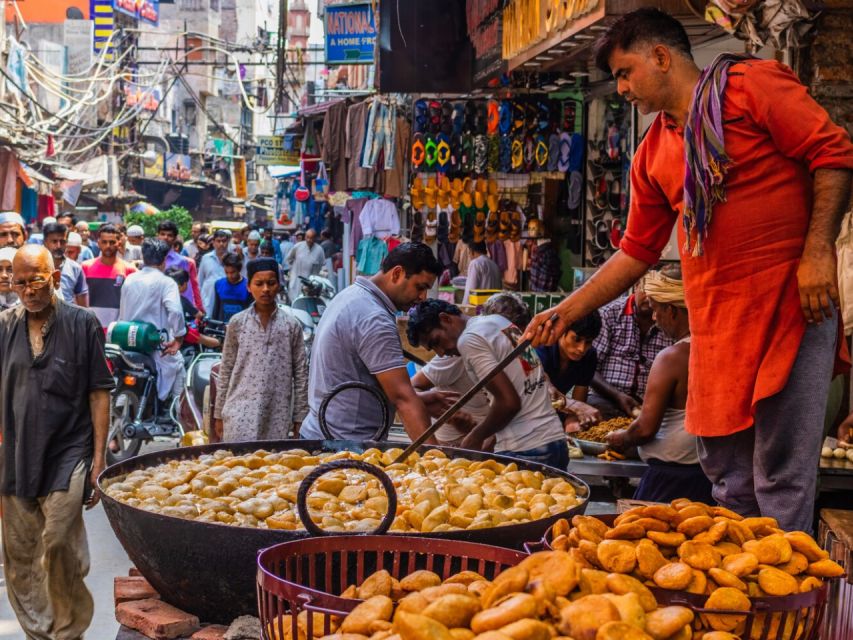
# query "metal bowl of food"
(208, 567)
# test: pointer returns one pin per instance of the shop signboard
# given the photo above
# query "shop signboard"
(238, 178)
(524, 28)
(78, 37)
(272, 150)
(350, 34)
(102, 16)
(145, 10)
(178, 166)
(157, 169)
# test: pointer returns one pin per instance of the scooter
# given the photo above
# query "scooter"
(208, 327)
(317, 292)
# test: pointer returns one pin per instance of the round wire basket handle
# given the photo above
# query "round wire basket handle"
(323, 469)
(375, 392)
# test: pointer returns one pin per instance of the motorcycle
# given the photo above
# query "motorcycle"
(136, 412)
(195, 406)
(317, 292)
(208, 327)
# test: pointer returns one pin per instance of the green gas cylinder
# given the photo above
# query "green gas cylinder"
(142, 337)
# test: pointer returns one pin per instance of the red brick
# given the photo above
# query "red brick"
(127, 589)
(134, 572)
(156, 619)
(212, 632)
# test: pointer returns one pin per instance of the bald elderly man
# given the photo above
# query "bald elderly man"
(54, 399)
(13, 231)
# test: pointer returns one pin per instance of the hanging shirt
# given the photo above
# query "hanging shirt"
(44, 400)
(105, 283)
(230, 299)
(379, 218)
(776, 136)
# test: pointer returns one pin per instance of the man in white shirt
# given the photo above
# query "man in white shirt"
(483, 272)
(521, 417)
(306, 258)
(151, 296)
(133, 248)
(211, 269)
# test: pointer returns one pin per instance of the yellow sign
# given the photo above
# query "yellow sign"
(238, 175)
(528, 22)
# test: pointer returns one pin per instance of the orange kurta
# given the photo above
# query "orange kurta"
(742, 294)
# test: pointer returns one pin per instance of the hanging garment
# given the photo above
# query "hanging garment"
(379, 217)
(334, 146)
(379, 136)
(370, 254)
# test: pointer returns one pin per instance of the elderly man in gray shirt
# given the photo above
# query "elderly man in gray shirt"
(357, 341)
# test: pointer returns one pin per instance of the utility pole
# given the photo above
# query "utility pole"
(281, 60)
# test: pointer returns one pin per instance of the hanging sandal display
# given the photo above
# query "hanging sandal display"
(418, 151)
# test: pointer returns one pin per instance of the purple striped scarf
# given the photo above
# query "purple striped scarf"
(705, 158)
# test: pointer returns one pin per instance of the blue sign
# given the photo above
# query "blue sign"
(145, 10)
(350, 34)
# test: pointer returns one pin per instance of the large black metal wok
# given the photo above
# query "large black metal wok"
(209, 569)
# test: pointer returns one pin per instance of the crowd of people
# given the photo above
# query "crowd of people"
(722, 362)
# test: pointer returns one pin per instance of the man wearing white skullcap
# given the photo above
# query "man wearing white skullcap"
(13, 231)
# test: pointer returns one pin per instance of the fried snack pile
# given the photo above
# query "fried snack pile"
(599, 432)
(693, 547)
(434, 492)
(546, 596)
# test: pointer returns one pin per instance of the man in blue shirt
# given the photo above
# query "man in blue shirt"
(231, 293)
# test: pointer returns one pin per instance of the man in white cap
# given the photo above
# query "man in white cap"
(73, 247)
(82, 227)
(13, 231)
(72, 283)
(133, 249)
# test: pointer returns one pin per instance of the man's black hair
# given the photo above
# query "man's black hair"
(325, 233)
(478, 247)
(285, 235)
(647, 25)
(266, 247)
(426, 316)
(414, 257)
(168, 226)
(232, 260)
(68, 214)
(52, 228)
(154, 252)
(221, 233)
(108, 228)
(587, 327)
(178, 275)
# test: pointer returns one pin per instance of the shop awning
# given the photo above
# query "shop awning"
(320, 108)
(282, 170)
(35, 175)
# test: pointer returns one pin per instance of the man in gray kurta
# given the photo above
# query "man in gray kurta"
(306, 258)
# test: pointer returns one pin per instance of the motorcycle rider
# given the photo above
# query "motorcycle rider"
(151, 296)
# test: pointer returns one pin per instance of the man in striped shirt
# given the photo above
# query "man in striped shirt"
(105, 276)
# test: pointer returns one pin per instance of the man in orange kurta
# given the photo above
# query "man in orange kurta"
(762, 293)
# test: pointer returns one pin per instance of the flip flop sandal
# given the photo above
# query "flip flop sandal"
(418, 151)
(434, 116)
(553, 151)
(443, 199)
(531, 119)
(505, 116)
(494, 117)
(599, 197)
(431, 200)
(431, 185)
(443, 227)
(601, 239)
(479, 200)
(421, 119)
(455, 226)
(569, 115)
(492, 189)
(480, 227)
(417, 200)
(455, 154)
(458, 118)
(447, 119)
(529, 154)
(615, 233)
(481, 154)
(575, 190)
(565, 152)
(431, 226)
(468, 215)
(470, 117)
(518, 117)
(494, 153)
(517, 154)
(482, 118)
(597, 259)
(455, 199)
(491, 227)
(442, 151)
(541, 153)
(544, 115)
(613, 143)
(614, 195)
(481, 186)
(430, 153)
(516, 222)
(505, 225)
(467, 201)
(466, 159)
(417, 226)
(505, 160)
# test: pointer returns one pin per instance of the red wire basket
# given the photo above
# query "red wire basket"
(795, 617)
(309, 574)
